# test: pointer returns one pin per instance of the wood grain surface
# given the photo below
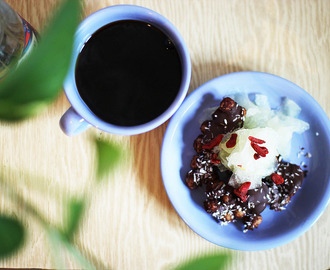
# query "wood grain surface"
(131, 223)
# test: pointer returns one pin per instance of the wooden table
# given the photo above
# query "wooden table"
(130, 223)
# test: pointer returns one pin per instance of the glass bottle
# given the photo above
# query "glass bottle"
(17, 38)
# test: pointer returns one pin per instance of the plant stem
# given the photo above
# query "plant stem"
(26, 206)
(54, 235)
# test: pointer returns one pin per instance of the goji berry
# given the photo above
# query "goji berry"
(242, 190)
(256, 140)
(214, 142)
(277, 179)
(232, 141)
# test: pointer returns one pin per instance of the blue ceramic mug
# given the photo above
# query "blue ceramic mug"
(79, 117)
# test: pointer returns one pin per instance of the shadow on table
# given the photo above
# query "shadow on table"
(204, 72)
(146, 148)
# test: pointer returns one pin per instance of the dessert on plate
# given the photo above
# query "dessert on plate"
(240, 159)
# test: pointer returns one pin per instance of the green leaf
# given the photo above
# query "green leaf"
(108, 156)
(76, 209)
(208, 261)
(58, 243)
(39, 78)
(56, 248)
(12, 235)
(83, 261)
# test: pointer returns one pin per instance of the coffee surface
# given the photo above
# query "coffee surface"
(128, 73)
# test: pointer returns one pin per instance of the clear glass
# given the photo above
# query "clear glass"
(11, 38)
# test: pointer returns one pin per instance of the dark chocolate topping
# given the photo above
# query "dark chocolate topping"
(281, 194)
(259, 198)
(228, 117)
(221, 201)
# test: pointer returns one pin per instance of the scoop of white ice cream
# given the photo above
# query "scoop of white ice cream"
(283, 120)
(246, 157)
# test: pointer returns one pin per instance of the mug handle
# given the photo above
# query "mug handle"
(72, 123)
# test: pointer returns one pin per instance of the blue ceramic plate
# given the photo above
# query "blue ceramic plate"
(277, 228)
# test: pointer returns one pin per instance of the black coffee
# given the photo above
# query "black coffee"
(128, 73)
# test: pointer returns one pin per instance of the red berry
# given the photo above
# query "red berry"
(214, 142)
(215, 159)
(232, 141)
(241, 191)
(261, 150)
(256, 140)
(277, 179)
